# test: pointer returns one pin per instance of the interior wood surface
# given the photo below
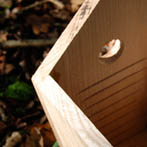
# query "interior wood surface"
(71, 127)
(139, 140)
(112, 94)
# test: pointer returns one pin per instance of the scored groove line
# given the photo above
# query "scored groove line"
(111, 105)
(105, 98)
(85, 89)
(100, 91)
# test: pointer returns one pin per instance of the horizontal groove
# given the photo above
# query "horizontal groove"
(104, 105)
(105, 98)
(125, 139)
(119, 113)
(102, 90)
(130, 117)
(116, 141)
(85, 89)
(121, 116)
(130, 126)
(111, 105)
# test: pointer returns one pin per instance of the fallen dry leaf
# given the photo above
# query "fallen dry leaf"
(40, 24)
(3, 36)
(8, 68)
(48, 135)
(34, 139)
(58, 4)
(41, 135)
(2, 63)
(75, 4)
(62, 14)
(5, 68)
(3, 115)
(13, 140)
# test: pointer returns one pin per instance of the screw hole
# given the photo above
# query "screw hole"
(111, 51)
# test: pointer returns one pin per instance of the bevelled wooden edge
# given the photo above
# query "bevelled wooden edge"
(66, 38)
(71, 127)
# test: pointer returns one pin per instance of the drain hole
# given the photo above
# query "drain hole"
(111, 51)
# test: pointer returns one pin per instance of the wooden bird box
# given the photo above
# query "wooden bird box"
(85, 81)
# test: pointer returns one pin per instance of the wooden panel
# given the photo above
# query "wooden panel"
(108, 93)
(114, 89)
(80, 68)
(133, 130)
(113, 79)
(122, 110)
(71, 127)
(139, 140)
(119, 99)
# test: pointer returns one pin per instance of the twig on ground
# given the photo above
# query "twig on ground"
(57, 3)
(27, 43)
(3, 115)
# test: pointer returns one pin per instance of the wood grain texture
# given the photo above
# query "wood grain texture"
(112, 94)
(66, 38)
(70, 125)
(80, 64)
(109, 92)
(136, 140)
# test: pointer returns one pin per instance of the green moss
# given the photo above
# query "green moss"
(1, 94)
(56, 144)
(19, 91)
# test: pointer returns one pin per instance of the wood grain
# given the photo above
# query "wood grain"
(71, 126)
(66, 38)
(112, 94)
(136, 140)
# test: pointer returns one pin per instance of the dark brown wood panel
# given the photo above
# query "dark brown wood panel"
(80, 66)
(117, 111)
(134, 129)
(112, 94)
(137, 140)
(105, 108)
(113, 89)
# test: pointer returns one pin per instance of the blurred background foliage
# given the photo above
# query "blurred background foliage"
(28, 30)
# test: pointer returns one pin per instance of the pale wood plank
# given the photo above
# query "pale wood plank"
(80, 68)
(71, 126)
(89, 81)
(66, 38)
(62, 113)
